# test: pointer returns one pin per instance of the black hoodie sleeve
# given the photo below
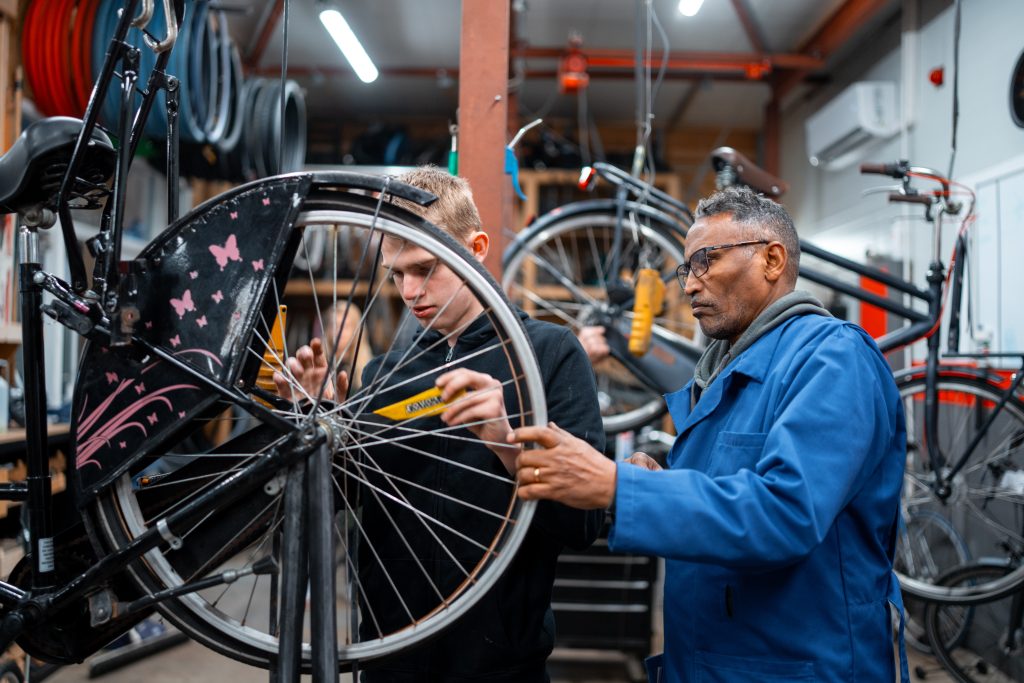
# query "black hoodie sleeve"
(571, 393)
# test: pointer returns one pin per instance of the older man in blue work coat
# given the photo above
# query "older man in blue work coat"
(777, 513)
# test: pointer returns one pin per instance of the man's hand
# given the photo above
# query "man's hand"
(643, 460)
(564, 468)
(593, 342)
(307, 368)
(481, 409)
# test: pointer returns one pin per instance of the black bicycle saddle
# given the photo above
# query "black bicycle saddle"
(32, 169)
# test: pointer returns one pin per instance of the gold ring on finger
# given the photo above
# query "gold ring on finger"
(536, 475)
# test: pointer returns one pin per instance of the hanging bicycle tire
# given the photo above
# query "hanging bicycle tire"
(990, 652)
(985, 503)
(558, 269)
(473, 534)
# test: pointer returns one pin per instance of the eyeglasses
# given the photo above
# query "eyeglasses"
(698, 263)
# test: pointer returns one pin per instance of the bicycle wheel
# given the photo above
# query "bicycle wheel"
(985, 504)
(559, 270)
(472, 535)
(926, 541)
(991, 651)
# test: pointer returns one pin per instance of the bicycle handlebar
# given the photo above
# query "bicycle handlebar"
(924, 199)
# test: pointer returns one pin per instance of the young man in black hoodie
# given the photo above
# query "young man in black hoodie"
(508, 635)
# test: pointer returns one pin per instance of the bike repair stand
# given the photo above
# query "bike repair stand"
(307, 552)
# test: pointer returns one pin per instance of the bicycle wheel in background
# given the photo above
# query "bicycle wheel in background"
(985, 655)
(925, 543)
(559, 269)
(471, 533)
(985, 505)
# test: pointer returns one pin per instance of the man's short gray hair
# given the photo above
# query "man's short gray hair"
(760, 217)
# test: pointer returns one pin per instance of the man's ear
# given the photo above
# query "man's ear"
(479, 243)
(775, 259)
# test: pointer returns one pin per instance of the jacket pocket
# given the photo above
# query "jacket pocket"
(735, 451)
(715, 668)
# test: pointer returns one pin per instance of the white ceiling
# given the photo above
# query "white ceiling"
(424, 35)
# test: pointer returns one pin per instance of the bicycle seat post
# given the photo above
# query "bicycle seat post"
(39, 492)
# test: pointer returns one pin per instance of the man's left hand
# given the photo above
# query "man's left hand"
(565, 468)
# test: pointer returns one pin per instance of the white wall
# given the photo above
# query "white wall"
(828, 206)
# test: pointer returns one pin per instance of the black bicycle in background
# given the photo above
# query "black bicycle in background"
(225, 537)
(964, 487)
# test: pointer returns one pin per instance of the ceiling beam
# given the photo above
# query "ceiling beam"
(836, 32)
(268, 24)
(685, 103)
(602, 74)
(750, 25)
(754, 65)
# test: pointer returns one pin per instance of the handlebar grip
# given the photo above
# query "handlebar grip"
(897, 170)
(925, 199)
(647, 303)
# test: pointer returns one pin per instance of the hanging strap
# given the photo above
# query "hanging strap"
(895, 598)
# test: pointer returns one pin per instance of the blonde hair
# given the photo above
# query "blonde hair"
(454, 211)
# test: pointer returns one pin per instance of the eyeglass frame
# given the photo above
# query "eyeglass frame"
(682, 277)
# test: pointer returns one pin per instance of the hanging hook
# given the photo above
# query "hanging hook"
(172, 30)
(145, 15)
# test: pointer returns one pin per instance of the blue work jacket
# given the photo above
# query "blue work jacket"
(777, 514)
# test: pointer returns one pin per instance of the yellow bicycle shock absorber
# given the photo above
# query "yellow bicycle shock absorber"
(273, 356)
(648, 300)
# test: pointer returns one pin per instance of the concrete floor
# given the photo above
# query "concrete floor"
(192, 662)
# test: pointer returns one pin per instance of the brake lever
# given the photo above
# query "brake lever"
(879, 189)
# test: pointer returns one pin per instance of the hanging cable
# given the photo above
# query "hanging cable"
(284, 95)
(956, 86)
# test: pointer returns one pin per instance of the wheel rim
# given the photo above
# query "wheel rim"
(578, 248)
(968, 640)
(986, 504)
(226, 624)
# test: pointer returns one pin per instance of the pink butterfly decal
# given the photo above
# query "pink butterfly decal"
(257, 265)
(193, 274)
(228, 252)
(266, 201)
(151, 418)
(181, 413)
(139, 388)
(237, 315)
(217, 296)
(176, 341)
(183, 304)
(149, 324)
(234, 215)
(201, 321)
(122, 444)
(111, 377)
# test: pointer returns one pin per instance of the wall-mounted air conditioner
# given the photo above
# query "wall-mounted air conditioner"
(863, 112)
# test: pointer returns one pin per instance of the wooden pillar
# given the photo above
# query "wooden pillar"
(483, 116)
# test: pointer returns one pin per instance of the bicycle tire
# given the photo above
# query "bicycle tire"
(575, 240)
(243, 533)
(986, 502)
(979, 658)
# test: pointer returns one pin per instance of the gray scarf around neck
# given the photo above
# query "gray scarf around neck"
(719, 353)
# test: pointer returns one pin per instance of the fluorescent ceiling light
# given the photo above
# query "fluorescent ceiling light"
(349, 45)
(688, 8)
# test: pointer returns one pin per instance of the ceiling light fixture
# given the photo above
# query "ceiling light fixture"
(689, 8)
(349, 45)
